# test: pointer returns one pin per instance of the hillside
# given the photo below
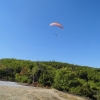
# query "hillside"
(74, 79)
(32, 93)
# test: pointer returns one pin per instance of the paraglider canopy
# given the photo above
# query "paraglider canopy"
(56, 24)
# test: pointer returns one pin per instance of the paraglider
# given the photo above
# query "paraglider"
(56, 24)
(56, 34)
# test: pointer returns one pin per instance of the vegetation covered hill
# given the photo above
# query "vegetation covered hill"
(75, 79)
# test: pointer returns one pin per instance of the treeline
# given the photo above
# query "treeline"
(80, 80)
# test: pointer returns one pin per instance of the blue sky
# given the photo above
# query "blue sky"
(25, 32)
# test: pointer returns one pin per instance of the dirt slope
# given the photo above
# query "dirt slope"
(33, 93)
